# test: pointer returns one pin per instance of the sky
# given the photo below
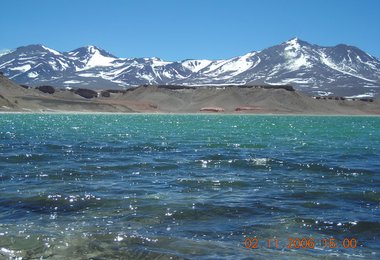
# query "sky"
(188, 29)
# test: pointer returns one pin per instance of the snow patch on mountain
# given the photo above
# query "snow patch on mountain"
(96, 59)
(7, 63)
(293, 45)
(365, 95)
(72, 81)
(159, 63)
(327, 61)
(51, 50)
(298, 62)
(196, 65)
(240, 65)
(33, 74)
(4, 52)
(22, 68)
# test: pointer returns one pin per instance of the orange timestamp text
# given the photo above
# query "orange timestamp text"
(300, 243)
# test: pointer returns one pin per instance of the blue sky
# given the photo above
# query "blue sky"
(176, 30)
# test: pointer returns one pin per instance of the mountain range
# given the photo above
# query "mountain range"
(341, 70)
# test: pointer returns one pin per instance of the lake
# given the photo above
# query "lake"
(141, 186)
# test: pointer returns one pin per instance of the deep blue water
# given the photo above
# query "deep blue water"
(187, 186)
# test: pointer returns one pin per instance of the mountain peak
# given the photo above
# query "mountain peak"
(31, 47)
(51, 50)
(36, 48)
(346, 47)
(296, 41)
(5, 52)
(91, 50)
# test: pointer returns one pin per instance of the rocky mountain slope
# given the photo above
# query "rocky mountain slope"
(341, 70)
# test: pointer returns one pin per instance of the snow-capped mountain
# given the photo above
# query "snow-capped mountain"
(3, 52)
(340, 70)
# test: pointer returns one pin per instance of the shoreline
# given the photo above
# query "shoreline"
(183, 113)
(234, 100)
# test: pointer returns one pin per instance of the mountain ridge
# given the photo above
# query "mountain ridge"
(342, 69)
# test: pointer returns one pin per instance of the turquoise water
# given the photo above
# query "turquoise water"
(187, 186)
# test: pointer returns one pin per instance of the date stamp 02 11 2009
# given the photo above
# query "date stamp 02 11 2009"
(300, 243)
